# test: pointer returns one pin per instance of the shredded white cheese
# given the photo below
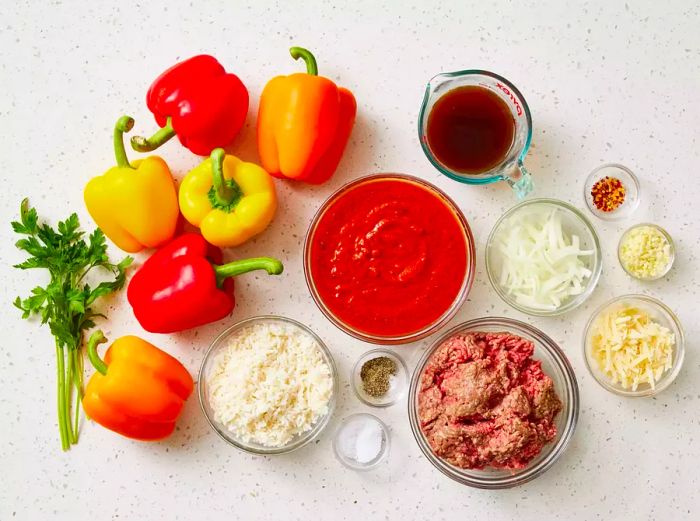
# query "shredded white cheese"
(270, 384)
(630, 347)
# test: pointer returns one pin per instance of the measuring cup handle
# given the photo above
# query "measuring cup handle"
(521, 182)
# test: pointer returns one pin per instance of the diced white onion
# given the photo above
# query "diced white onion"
(542, 266)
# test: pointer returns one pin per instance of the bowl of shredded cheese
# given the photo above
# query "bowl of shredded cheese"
(634, 346)
(268, 385)
(543, 257)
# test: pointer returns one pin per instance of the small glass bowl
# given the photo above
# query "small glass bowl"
(248, 446)
(666, 236)
(554, 363)
(629, 181)
(661, 313)
(397, 383)
(410, 336)
(574, 222)
(350, 422)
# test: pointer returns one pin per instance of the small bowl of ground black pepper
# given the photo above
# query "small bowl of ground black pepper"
(380, 378)
(611, 192)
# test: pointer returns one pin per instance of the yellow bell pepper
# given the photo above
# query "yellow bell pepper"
(229, 200)
(135, 206)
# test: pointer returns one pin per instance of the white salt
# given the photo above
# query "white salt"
(361, 440)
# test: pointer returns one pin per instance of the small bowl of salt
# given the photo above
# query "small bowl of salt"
(361, 441)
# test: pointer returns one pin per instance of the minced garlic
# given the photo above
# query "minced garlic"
(645, 252)
(630, 347)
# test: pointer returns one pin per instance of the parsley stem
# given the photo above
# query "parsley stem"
(78, 373)
(61, 398)
(78, 383)
(67, 389)
(72, 409)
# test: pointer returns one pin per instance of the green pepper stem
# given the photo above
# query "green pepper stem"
(142, 144)
(96, 339)
(270, 265)
(224, 192)
(124, 124)
(305, 54)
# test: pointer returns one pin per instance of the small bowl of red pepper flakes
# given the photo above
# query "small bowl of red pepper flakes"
(611, 192)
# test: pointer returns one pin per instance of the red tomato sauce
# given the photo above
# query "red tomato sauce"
(388, 257)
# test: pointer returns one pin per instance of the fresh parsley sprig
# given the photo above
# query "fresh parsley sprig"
(65, 304)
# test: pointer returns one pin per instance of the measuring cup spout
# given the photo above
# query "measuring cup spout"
(432, 91)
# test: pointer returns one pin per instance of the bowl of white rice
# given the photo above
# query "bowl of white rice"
(268, 385)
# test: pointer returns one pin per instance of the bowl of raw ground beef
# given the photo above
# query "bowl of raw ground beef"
(493, 403)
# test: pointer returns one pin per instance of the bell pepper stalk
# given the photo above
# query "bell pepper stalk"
(304, 123)
(138, 390)
(229, 200)
(309, 59)
(135, 204)
(198, 101)
(184, 285)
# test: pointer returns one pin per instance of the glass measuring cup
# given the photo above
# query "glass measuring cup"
(511, 168)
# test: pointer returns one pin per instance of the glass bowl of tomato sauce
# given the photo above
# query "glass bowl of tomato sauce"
(389, 258)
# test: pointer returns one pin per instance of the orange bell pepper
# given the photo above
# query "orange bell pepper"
(138, 390)
(304, 123)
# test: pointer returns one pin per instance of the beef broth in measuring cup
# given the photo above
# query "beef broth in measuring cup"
(470, 129)
(475, 127)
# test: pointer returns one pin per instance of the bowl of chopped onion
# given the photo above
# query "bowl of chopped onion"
(543, 257)
(634, 346)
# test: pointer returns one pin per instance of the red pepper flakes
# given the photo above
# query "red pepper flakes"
(608, 194)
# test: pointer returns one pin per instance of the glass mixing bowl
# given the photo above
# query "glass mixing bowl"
(409, 336)
(554, 363)
(662, 314)
(573, 223)
(208, 365)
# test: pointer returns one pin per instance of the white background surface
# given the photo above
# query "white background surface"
(606, 81)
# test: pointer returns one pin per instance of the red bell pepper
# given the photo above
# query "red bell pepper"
(200, 102)
(182, 286)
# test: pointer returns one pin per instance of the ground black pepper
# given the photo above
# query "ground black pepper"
(376, 375)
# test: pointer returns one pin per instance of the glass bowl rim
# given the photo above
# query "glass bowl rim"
(303, 439)
(668, 378)
(572, 303)
(402, 365)
(666, 235)
(555, 450)
(449, 312)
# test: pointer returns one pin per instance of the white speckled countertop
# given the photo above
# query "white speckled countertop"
(605, 80)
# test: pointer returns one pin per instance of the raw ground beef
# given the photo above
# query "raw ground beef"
(484, 402)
